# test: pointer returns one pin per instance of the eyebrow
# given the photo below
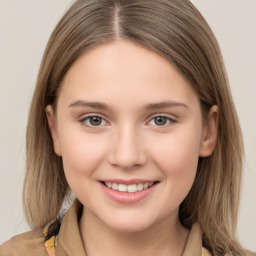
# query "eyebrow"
(151, 106)
(165, 104)
(96, 105)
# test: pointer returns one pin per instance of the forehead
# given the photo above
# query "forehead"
(125, 71)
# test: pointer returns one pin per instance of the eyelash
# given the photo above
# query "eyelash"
(83, 121)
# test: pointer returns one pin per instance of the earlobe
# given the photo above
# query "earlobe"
(53, 129)
(210, 132)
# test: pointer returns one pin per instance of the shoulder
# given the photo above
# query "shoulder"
(251, 253)
(29, 243)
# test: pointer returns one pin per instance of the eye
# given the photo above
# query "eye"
(161, 121)
(93, 121)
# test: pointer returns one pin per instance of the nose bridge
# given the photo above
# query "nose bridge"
(127, 148)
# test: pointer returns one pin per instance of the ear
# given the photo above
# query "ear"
(53, 129)
(209, 134)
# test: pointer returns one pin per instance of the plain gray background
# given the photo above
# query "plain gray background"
(25, 26)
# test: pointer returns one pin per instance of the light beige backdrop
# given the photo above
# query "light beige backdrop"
(25, 26)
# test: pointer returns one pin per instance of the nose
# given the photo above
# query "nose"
(127, 149)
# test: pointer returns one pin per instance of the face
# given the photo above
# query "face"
(129, 129)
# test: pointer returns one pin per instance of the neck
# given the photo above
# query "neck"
(166, 238)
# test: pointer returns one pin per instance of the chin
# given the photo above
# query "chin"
(129, 224)
(129, 227)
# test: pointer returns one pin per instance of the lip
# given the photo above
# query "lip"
(126, 197)
(128, 182)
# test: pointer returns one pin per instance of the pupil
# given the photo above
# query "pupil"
(95, 120)
(160, 120)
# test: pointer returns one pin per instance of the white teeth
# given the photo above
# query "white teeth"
(145, 185)
(129, 188)
(132, 188)
(122, 188)
(108, 184)
(140, 186)
(114, 186)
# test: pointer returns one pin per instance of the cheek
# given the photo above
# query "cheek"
(181, 155)
(176, 155)
(81, 153)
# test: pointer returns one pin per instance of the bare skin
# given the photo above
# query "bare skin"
(126, 113)
(155, 241)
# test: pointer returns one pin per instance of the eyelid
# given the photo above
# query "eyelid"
(171, 119)
(82, 120)
(84, 117)
(164, 115)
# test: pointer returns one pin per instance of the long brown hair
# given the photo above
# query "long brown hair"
(177, 31)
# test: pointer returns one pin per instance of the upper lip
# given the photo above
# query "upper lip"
(128, 182)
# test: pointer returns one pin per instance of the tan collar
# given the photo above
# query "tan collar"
(69, 238)
(70, 241)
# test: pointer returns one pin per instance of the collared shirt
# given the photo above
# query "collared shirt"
(68, 242)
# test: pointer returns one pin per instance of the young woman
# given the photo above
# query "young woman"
(132, 112)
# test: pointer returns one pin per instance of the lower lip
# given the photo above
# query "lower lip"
(125, 197)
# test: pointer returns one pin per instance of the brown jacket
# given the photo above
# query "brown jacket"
(70, 243)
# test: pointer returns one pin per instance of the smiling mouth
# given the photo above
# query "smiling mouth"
(131, 188)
